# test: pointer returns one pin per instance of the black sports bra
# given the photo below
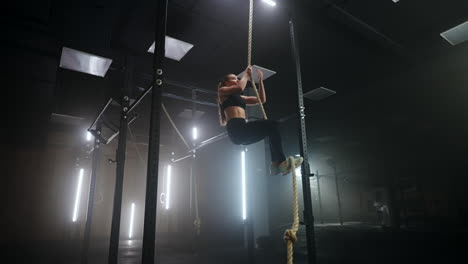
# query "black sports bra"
(233, 100)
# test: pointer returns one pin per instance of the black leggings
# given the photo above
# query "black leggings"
(245, 133)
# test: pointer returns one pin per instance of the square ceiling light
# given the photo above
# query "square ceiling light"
(187, 114)
(76, 60)
(456, 35)
(266, 73)
(319, 93)
(175, 49)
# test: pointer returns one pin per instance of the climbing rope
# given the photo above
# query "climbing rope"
(249, 59)
(249, 53)
(290, 234)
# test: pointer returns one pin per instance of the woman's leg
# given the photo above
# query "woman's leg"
(257, 130)
(244, 133)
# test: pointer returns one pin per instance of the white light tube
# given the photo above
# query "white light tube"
(298, 172)
(270, 2)
(195, 133)
(78, 195)
(132, 215)
(88, 136)
(168, 187)
(244, 203)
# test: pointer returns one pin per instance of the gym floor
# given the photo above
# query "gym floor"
(351, 243)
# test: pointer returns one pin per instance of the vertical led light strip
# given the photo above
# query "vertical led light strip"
(168, 187)
(132, 215)
(244, 209)
(195, 133)
(298, 172)
(298, 169)
(88, 136)
(78, 195)
(270, 2)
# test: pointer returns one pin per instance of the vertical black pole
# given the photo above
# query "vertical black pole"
(308, 213)
(404, 205)
(394, 203)
(250, 239)
(149, 230)
(92, 188)
(454, 198)
(361, 217)
(338, 196)
(120, 167)
(319, 197)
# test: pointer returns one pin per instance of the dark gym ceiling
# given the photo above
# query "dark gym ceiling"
(345, 45)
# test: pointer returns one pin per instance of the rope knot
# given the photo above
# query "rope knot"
(290, 236)
(197, 223)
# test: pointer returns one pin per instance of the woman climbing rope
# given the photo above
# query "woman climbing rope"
(231, 108)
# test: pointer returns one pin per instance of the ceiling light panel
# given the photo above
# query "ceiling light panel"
(319, 93)
(456, 35)
(76, 60)
(266, 73)
(175, 49)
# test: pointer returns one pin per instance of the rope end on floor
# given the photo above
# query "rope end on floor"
(290, 234)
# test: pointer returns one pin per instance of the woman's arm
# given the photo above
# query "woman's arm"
(239, 87)
(261, 88)
(227, 90)
(243, 81)
(251, 100)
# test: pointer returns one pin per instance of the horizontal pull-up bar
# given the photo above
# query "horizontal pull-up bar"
(138, 101)
(118, 132)
(189, 99)
(182, 158)
(203, 144)
(181, 85)
(168, 95)
(100, 114)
